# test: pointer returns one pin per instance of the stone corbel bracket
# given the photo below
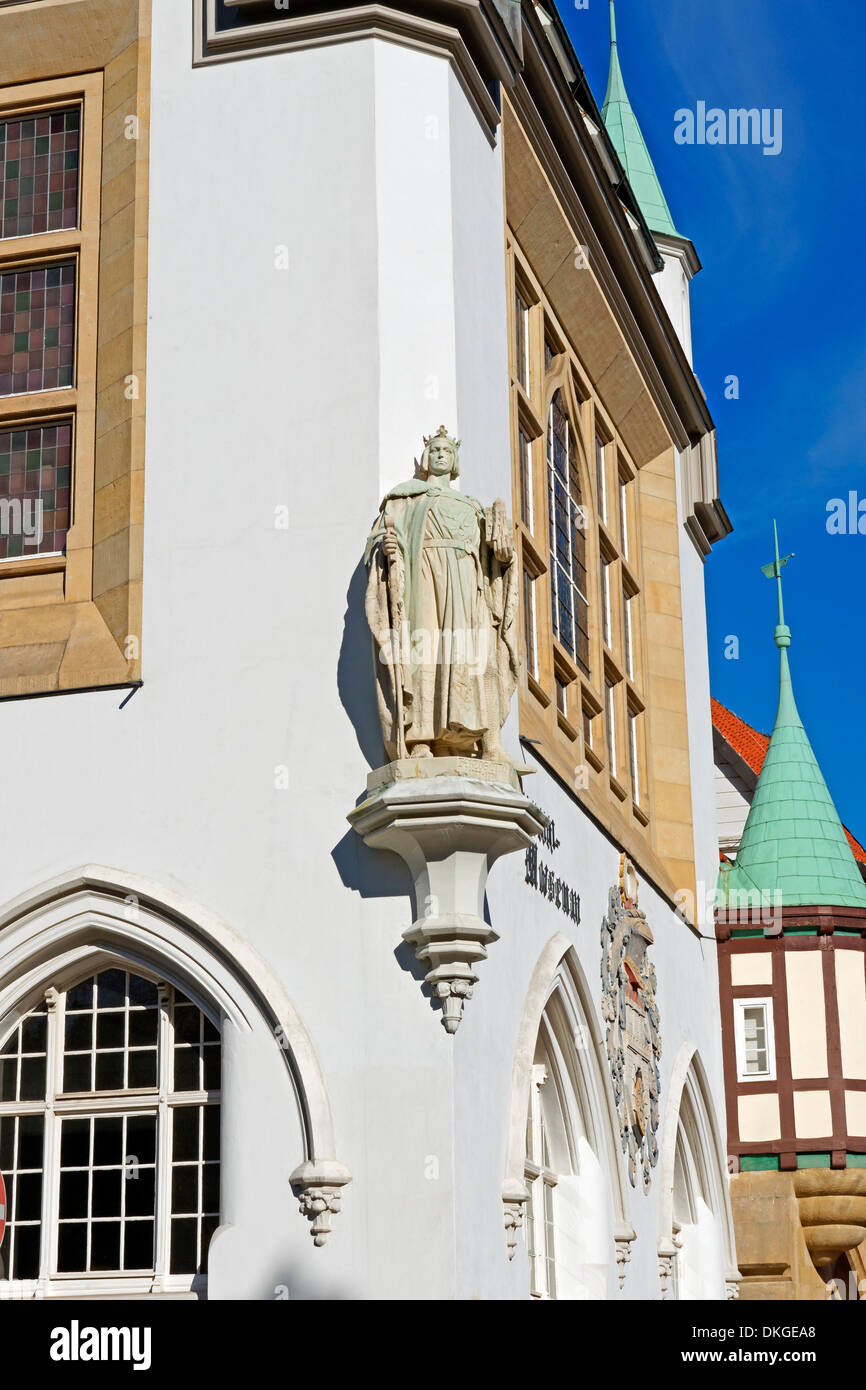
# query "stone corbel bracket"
(449, 830)
(668, 1252)
(319, 1187)
(623, 1237)
(515, 1196)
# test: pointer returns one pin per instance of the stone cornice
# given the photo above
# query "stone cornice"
(683, 249)
(476, 41)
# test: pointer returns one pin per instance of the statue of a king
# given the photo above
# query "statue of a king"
(442, 606)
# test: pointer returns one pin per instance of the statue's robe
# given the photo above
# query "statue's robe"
(457, 653)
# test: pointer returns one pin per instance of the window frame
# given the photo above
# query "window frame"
(75, 403)
(57, 1105)
(740, 1005)
(602, 445)
(610, 719)
(560, 736)
(541, 1181)
(572, 442)
(529, 609)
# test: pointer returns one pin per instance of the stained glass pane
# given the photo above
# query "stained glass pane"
(39, 161)
(37, 328)
(35, 481)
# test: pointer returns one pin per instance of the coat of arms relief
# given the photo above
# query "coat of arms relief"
(628, 1006)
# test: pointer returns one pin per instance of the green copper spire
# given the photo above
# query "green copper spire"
(793, 841)
(623, 129)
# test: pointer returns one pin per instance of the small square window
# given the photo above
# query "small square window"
(754, 1040)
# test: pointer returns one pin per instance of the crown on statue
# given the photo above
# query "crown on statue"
(443, 436)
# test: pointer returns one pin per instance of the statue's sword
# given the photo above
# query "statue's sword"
(395, 601)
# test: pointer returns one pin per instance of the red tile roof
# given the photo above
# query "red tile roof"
(752, 746)
(746, 741)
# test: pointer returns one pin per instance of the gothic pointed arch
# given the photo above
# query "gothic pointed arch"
(96, 918)
(696, 1234)
(563, 1180)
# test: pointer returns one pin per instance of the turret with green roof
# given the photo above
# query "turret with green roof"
(793, 842)
(625, 133)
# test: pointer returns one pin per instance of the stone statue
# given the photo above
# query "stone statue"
(442, 606)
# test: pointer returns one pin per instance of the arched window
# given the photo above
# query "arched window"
(569, 1213)
(568, 581)
(698, 1267)
(109, 1138)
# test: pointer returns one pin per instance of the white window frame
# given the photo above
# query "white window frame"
(740, 1005)
(530, 623)
(606, 614)
(632, 716)
(527, 501)
(610, 724)
(623, 515)
(601, 447)
(522, 326)
(160, 1100)
(628, 633)
(541, 1182)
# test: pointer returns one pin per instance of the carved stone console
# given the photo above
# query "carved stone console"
(450, 819)
(319, 1186)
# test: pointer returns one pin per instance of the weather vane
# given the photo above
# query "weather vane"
(774, 571)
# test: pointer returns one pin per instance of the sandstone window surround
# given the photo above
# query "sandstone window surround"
(52, 261)
(70, 614)
(582, 691)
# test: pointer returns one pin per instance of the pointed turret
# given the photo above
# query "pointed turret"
(625, 133)
(793, 841)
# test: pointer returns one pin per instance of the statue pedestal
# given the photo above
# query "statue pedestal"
(450, 819)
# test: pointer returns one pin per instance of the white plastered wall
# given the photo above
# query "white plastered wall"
(362, 169)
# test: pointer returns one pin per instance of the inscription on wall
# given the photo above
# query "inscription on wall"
(548, 883)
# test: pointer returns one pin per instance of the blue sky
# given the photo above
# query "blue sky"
(780, 303)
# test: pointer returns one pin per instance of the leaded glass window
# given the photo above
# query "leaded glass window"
(37, 329)
(568, 579)
(35, 483)
(39, 164)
